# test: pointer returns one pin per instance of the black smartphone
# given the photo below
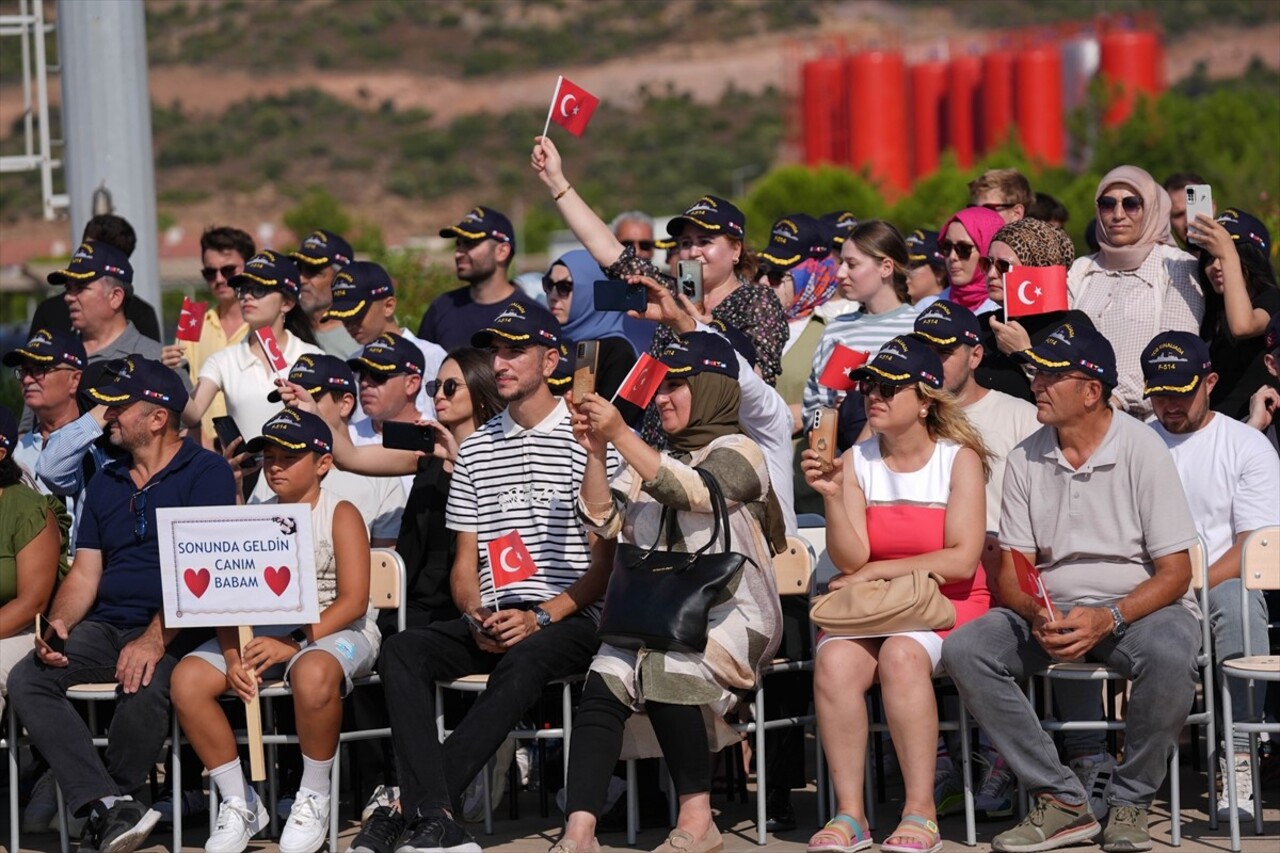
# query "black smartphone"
(50, 636)
(402, 436)
(613, 295)
(225, 428)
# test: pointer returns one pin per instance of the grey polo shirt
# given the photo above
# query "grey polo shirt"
(1096, 530)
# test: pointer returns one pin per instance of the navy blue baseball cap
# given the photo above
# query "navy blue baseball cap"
(904, 360)
(1075, 346)
(710, 213)
(8, 428)
(561, 379)
(922, 248)
(48, 348)
(356, 287)
(1245, 228)
(296, 430)
(389, 355)
(93, 260)
(794, 238)
(738, 339)
(319, 373)
(321, 248)
(699, 352)
(483, 223)
(134, 379)
(523, 324)
(947, 324)
(269, 269)
(837, 225)
(1174, 363)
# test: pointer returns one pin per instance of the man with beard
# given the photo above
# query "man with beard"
(484, 246)
(320, 258)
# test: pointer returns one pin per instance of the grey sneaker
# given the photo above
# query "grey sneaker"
(1095, 773)
(1049, 825)
(1126, 830)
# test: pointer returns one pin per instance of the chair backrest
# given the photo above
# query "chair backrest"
(793, 568)
(1260, 559)
(387, 581)
(1199, 564)
(814, 531)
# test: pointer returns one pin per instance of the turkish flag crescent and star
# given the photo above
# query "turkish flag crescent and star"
(572, 106)
(271, 347)
(843, 361)
(191, 320)
(1030, 582)
(510, 560)
(642, 381)
(1035, 290)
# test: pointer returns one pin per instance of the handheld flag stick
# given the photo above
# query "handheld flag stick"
(552, 106)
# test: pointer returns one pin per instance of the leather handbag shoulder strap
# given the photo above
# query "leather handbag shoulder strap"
(719, 510)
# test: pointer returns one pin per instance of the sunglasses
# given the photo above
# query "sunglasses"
(257, 291)
(998, 207)
(774, 277)
(311, 270)
(138, 506)
(38, 373)
(564, 288)
(884, 390)
(211, 274)
(639, 245)
(1002, 265)
(448, 387)
(963, 250)
(372, 378)
(1131, 203)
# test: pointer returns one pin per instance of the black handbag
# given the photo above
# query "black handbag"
(660, 599)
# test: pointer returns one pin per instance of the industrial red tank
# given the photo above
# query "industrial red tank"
(1038, 103)
(995, 118)
(963, 91)
(877, 82)
(824, 102)
(928, 105)
(1130, 64)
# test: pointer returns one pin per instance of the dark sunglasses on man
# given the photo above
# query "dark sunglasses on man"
(211, 274)
(639, 245)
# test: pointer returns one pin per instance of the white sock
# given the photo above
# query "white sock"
(315, 775)
(230, 780)
(108, 802)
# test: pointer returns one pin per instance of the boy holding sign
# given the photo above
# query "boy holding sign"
(297, 453)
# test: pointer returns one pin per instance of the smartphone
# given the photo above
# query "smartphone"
(226, 430)
(50, 636)
(478, 624)
(403, 436)
(613, 295)
(584, 369)
(1199, 200)
(822, 436)
(689, 280)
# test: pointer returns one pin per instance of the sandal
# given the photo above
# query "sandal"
(920, 834)
(842, 834)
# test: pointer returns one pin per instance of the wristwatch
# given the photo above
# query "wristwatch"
(543, 617)
(1121, 625)
(299, 636)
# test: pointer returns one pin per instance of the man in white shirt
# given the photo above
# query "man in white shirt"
(389, 376)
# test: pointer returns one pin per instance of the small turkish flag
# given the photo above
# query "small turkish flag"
(1035, 290)
(271, 347)
(842, 362)
(572, 106)
(1030, 582)
(510, 560)
(642, 381)
(191, 320)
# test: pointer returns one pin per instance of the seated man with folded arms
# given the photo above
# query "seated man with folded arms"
(1094, 500)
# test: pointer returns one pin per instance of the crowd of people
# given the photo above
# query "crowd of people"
(1098, 442)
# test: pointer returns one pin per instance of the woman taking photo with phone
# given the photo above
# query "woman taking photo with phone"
(909, 498)
(570, 288)
(679, 697)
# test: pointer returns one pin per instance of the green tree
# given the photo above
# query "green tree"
(792, 189)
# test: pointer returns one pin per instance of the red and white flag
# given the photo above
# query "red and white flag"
(191, 320)
(842, 362)
(271, 347)
(642, 381)
(572, 106)
(510, 560)
(1030, 582)
(1035, 290)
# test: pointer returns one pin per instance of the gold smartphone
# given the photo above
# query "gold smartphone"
(822, 436)
(584, 369)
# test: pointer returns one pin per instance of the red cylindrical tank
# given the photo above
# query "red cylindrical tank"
(878, 116)
(996, 113)
(824, 102)
(965, 81)
(1130, 64)
(1038, 103)
(928, 100)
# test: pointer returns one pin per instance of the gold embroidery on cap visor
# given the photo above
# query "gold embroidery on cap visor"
(508, 335)
(34, 356)
(78, 276)
(108, 399)
(1044, 362)
(470, 235)
(1172, 389)
(892, 377)
(942, 342)
(782, 262)
(348, 313)
(287, 445)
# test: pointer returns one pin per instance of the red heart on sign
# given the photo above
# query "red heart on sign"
(277, 579)
(197, 582)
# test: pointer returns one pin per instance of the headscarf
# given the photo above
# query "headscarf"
(1037, 243)
(1155, 219)
(815, 283)
(585, 322)
(981, 224)
(714, 402)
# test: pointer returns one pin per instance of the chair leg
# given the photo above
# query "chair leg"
(1253, 774)
(761, 765)
(966, 765)
(1175, 799)
(1229, 736)
(175, 783)
(64, 834)
(633, 802)
(334, 799)
(15, 816)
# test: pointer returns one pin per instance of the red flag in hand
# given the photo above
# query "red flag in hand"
(1030, 582)
(842, 362)
(510, 560)
(642, 381)
(572, 106)
(191, 320)
(1035, 290)
(271, 347)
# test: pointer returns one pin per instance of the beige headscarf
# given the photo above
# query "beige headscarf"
(1155, 220)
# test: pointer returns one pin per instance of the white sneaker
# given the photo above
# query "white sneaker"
(237, 823)
(1244, 788)
(308, 823)
(1095, 774)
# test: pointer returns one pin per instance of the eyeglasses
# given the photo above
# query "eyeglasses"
(963, 250)
(774, 277)
(38, 373)
(884, 390)
(639, 245)
(257, 291)
(1131, 203)
(998, 207)
(211, 273)
(1002, 265)
(138, 506)
(448, 387)
(564, 288)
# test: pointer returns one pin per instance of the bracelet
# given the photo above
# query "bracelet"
(562, 193)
